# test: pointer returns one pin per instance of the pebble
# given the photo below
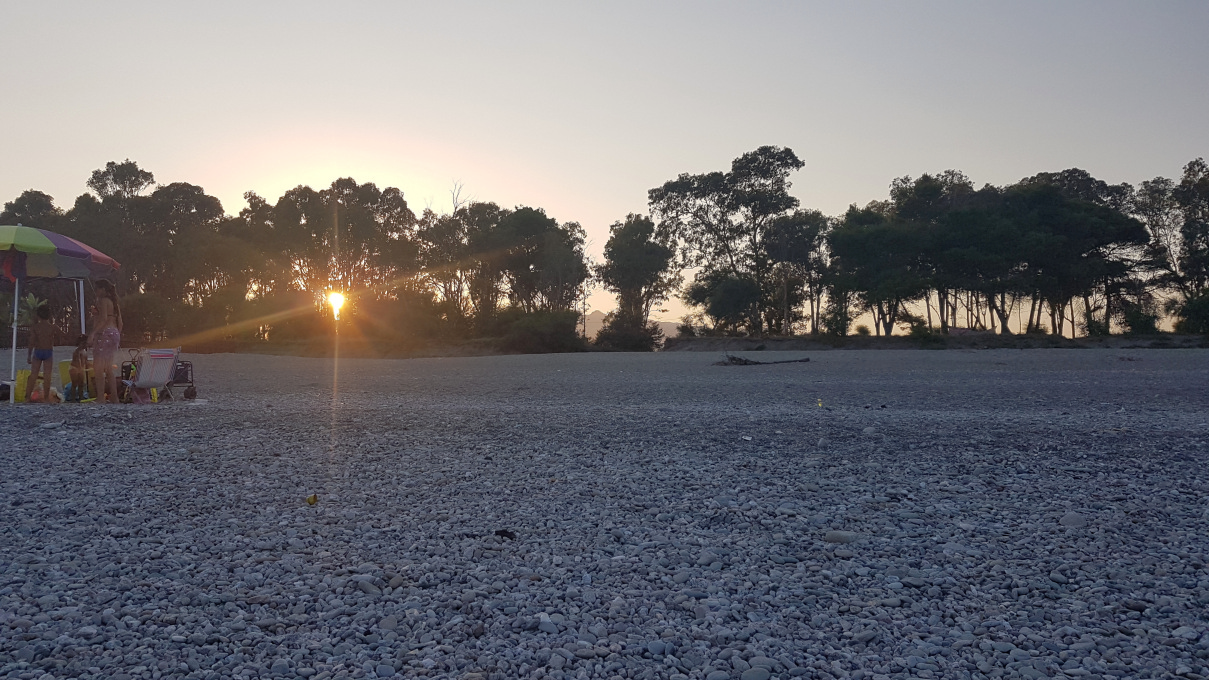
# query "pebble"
(841, 537)
(756, 673)
(640, 542)
(1073, 520)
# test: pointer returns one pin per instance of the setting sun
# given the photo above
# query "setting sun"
(336, 300)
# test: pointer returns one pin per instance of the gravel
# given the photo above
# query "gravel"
(880, 514)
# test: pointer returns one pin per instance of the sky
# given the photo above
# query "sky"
(581, 108)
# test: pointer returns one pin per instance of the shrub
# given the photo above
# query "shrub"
(1093, 326)
(1139, 321)
(862, 329)
(629, 337)
(1194, 315)
(541, 332)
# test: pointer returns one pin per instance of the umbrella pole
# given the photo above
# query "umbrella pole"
(80, 301)
(12, 387)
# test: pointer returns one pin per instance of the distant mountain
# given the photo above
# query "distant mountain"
(595, 321)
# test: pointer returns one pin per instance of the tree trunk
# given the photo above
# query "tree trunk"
(999, 307)
(941, 311)
(786, 330)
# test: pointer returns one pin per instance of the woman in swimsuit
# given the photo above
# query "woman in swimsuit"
(105, 339)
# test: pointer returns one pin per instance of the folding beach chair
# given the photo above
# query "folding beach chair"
(152, 369)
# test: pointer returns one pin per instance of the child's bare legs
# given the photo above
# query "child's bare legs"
(77, 382)
(46, 384)
(36, 366)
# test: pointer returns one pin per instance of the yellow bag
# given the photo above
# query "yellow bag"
(22, 381)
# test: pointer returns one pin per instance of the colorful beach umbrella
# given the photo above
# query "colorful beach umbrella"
(37, 253)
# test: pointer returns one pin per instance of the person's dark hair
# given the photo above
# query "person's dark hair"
(43, 312)
(82, 341)
(110, 292)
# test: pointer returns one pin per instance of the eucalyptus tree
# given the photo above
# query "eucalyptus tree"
(722, 220)
(32, 209)
(1192, 197)
(882, 260)
(543, 263)
(443, 248)
(122, 181)
(637, 268)
(1155, 205)
(485, 255)
(928, 202)
(350, 236)
(797, 247)
(1072, 247)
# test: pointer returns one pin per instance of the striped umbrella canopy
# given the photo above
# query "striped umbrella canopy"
(36, 253)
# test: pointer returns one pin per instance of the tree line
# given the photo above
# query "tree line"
(264, 274)
(1059, 252)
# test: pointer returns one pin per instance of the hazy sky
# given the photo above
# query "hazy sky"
(580, 109)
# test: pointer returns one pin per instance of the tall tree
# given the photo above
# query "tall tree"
(444, 254)
(544, 263)
(1192, 197)
(1155, 205)
(637, 268)
(486, 248)
(1073, 247)
(123, 180)
(882, 259)
(723, 220)
(797, 247)
(32, 209)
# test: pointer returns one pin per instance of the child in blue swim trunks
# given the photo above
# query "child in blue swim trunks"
(41, 353)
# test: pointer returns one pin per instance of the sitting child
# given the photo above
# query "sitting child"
(79, 371)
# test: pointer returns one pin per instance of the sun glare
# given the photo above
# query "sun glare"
(336, 300)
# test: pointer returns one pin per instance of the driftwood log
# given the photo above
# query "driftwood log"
(732, 360)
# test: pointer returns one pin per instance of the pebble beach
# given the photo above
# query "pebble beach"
(866, 515)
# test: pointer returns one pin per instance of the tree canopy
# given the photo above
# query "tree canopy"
(1060, 252)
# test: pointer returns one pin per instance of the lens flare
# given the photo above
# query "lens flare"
(336, 300)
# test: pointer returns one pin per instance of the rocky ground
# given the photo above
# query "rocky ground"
(886, 514)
